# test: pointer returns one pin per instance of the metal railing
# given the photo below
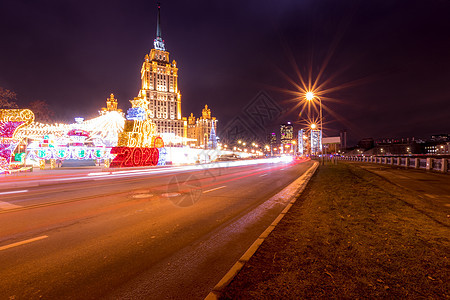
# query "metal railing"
(429, 163)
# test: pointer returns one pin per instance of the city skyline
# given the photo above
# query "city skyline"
(396, 58)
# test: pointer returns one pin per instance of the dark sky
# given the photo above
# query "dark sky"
(396, 54)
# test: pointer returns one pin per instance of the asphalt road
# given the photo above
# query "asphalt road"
(160, 234)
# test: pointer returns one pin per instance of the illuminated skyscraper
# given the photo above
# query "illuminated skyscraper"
(160, 94)
(287, 133)
(316, 141)
(159, 88)
(300, 142)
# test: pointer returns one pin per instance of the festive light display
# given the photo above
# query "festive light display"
(162, 156)
(62, 153)
(82, 140)
(132, 142)
(138, 143)
(138, 134)
(136, 113)
(134, 157)
(10, 121)
(103, 130)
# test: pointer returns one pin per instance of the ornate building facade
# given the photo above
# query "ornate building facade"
(159, 92)
(159, 89)
(203, 129)
(111, 105)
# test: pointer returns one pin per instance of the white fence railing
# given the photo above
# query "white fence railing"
(428, 163)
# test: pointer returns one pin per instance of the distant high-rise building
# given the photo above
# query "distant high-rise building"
(316, 139)
(271, 139)
(287, 133)
(301, 145)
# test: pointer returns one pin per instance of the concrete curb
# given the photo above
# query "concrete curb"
(294, 189)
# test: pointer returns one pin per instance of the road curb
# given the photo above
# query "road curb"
(295, 189)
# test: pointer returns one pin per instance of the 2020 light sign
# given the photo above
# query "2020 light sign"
(134, 157)
(137, 146)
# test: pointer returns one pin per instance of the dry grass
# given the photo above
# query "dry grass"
(351, 235)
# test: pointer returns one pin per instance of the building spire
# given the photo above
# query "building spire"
(158, 43)
(158, 22)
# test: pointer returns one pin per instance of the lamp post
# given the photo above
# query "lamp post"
(310, 97)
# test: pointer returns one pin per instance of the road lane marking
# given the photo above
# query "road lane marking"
(23, 242)
(170, 195)
(7, 205)
(431, 196)
(14, 192)
(214, 189)
(262, 175)
(140, 196)
(292, 191)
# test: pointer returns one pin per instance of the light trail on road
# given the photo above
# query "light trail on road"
(126, 238)
(13, 192)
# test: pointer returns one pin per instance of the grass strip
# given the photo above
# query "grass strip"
(352, 234)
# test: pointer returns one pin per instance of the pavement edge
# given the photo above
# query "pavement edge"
(298, 187)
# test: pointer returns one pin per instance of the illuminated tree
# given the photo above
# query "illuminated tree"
(42, 111)
(7, 99)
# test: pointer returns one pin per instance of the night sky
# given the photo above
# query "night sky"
(387, 63)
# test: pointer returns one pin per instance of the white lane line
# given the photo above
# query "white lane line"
(263, 175)
(214, 189)
(431, 196)
(14, 192)
(23, 242)
(7, 205)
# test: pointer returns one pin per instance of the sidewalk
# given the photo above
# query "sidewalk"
(356, 234)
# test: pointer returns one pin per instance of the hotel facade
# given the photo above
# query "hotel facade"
(160, 93)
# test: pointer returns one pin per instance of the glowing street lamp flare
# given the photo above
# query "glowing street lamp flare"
(309, 96)
(313, 126)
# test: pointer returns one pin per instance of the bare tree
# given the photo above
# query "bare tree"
(42, 111)
(7, 99)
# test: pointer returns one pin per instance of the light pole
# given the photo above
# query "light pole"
(310, 97)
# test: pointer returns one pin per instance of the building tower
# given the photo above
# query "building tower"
(159, 88)
(203, 130)
(287, 133)
(111, 104)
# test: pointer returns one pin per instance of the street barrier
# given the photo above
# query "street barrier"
(429, 163)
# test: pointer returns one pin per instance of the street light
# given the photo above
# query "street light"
(310, 97)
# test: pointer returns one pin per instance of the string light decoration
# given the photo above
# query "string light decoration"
(104, 130)
(84, 140)
(11, 120)
(62, 153)
(132, 142)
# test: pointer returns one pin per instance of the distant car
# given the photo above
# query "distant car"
(227, 157)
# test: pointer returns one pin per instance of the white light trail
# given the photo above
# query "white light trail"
(13, 192)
